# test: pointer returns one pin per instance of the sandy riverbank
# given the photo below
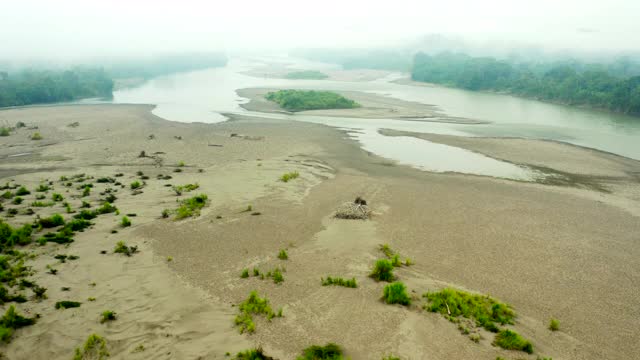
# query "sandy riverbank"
(550, 251)
(373, 106)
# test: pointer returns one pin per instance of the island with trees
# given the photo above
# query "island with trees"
(300, 100)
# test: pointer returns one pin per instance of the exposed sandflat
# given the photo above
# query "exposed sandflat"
(549, 251)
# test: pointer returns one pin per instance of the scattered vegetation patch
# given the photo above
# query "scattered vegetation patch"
(383, 271)
(300, 100)
(511, 340)
(42, 188)
(330, 351)
(253, 354)
(57, 197)
(486, 311)
(22, 191)
(185, 188)
(191, 207)
(338, 281)
(396, 293)
(282, 255)
(253, 305)
(95, 348)
(65, 304)
(122, 248)
(12, 321)
(52, 221)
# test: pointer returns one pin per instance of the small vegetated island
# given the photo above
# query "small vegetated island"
(306, 75)
(300, 100)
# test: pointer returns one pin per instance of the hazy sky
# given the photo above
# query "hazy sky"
(78, 28)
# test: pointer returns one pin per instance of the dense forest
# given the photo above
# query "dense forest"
(299, 100)
(41, 87)
(572, 83)
(27, 87)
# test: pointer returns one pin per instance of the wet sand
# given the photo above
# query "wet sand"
(550, 251)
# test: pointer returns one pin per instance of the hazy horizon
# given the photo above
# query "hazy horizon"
(68, 30)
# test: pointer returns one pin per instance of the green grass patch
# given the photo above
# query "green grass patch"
(11, 321)
(306, 75)
(286, 177)
(22, 191)
(42, 188)
(36, 136)
(107, 315)
(396, 293)
(4, 131)
(554, 324)
(244, 274)
(253, 305)
(330, 351)
(299, 100)
(95, 348)
(383, 271)
(191, 207)
(511, 340)
(122, 248)
(51, 221)
(282, 255)
(135, 185)
(338, 281)
(486, 311)
(125, 222)
(65, 304)
(42, 203)
(253, 354)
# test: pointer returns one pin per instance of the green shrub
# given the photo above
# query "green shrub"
(328, 352)
(277, 276)
(106, 208)
(36, 136)
(22, 191)
(86, 192)
(122, 248)
(42, 204)
(52, 221)
(67, 304)
(338, 281)
(135, 185)
(4, 131)
(11, 321)
(253, 305)
(396, 293)
(511, 340)
(57, 197)
(17, 200)
(7, 195)
(289, 176)
(78, 224)
(125, 222)
(107, 315)
(554, 324)
(191, 207)
(485, 310)
(95, 348)
(42, 188)
(254, 354)
(282, 255)
(245, 273)
(383, 271)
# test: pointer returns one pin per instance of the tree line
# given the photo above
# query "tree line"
(568, 83)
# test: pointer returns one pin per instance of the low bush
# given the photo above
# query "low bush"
(122, 248)
(511, 340)
(191, 207)
(136, 185)
(286, 177)
(107, 315)
(383, 271)
(245, 273)
(57, 197)
(17, 200)
(95, 348)
(330, 351)
(22, 191)
(254, 354)
(52, 221)
(277, 276)
(36, 136)
(4, 131)
(67, 304)
(253, 305)
(396, 293)
(554, 324)
(11, 321)
(42, 188)
(125, 222)
(338, 281)
(282, 255)
(42, 203)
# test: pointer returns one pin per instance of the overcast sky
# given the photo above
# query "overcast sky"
(78, 28)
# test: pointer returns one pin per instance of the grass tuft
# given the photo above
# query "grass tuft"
(396, 293)
(253, 354)
(330, 351)
(383, 271)
(95, 348)
(107, 315)
(289, 176)
(282, 255)
(67, 304)
(122, 248)
(338, 281)
(554, 324)
(511, 340)
(125, 222)
(191, 207)
(253, 305)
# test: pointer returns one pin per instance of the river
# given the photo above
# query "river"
(201, 96)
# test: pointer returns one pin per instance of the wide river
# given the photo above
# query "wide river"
(202, 96)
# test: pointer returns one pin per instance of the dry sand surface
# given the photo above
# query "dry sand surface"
(373, 106)
(549, 251)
